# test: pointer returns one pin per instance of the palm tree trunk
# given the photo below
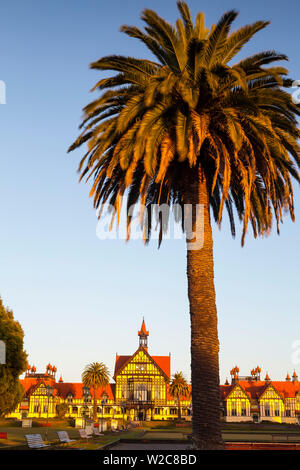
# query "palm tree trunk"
(179, 408)
(95, 406)
(204, 334)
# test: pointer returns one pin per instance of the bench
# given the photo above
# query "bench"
(96, 432)
(26, 423)
(35, 441)
(64, 437)
(3, 435)
(83, 434)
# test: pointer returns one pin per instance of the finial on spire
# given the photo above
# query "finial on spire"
(143, 331)
(267, 378)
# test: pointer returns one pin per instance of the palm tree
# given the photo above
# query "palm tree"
(191, 129)
(95, 375)
(179, 388)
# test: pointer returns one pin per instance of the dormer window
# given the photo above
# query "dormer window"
(104, 398)
(70, 398)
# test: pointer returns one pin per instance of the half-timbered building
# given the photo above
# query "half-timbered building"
(140, 391)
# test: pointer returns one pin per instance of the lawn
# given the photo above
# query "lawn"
(16, 436)
(154, 431)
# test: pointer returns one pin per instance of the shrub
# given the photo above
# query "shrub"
(71, 422)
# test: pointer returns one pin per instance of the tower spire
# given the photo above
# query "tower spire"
(143, 336)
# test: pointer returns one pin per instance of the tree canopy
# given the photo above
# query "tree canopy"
(192, 107)
(11, 333)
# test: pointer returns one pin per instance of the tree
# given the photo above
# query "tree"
(191, 130)
(179, 388)
(95, 375)
(11, 333)
(61, 410)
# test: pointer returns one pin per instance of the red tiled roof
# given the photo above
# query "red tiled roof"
(287, 389)
(164, 362)
(256, 388)
(224, 391)
(64, 389)
(30, 383)
(120, 362)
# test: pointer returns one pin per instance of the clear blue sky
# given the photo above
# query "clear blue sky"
(80, 299)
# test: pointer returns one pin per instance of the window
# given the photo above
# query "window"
(288, 413)
(141, 392)
(173, 411)
(267, 409)
(157, 411)
(244, 411)
(141, 367)
(157, 392)
(233, 409)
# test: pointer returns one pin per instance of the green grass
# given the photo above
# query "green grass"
(16, 436)
(150, 431)
(108, 438)
(164, 435)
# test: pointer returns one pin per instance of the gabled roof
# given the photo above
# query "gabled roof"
(120, 362)
(229, 389)
(63, 389)
(256, 388)
(30, 384)
(162, 362)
